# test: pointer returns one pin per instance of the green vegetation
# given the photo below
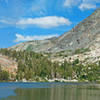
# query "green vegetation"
(64, 53)
(82, 50)
(29, 48)
(36, 67)
(4, 75)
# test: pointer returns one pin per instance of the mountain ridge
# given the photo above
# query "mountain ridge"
(80, 36)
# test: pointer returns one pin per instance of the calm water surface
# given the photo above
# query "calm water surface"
(49, 91)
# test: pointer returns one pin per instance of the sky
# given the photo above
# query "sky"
(25, 20)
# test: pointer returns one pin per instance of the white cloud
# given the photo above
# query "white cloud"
(85, 6)
(88, 4)
(91, 1)
(5, 21)
(82, 4)
(70, 3)
(44, 22)
(20, 37)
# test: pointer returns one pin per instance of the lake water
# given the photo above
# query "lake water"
(49, 91)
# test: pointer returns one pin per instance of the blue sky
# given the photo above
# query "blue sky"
(24, 20)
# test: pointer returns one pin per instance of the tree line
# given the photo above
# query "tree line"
(35, 66)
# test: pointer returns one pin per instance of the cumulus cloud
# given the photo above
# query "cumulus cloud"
(82, 4)
(70, 3)
(85, 6)
(44, 22)
(20, 38)
(88, 4)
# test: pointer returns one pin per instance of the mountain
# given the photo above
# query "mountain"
(83, 35)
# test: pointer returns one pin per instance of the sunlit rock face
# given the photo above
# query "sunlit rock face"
(8, 65)
(82, 35)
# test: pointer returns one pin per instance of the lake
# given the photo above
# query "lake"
(49, 91)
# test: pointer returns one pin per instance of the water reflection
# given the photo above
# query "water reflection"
(61, 92)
